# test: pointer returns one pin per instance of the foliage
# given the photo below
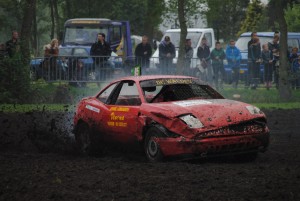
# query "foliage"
(292, 17)
(225, 16)
(253, 16)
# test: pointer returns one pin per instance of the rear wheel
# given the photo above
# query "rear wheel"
(151, 147)
(83, 137)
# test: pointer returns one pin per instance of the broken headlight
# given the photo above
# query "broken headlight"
(253, 110)
(191, 121)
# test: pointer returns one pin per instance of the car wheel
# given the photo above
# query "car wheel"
(83, 139)
(151, 147)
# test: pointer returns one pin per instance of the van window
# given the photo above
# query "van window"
(242, 42)
(175, 38)
(293, 42)
(208, 37)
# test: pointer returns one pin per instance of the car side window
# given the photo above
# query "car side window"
(128, 95)
(293, 42)
(105, 94)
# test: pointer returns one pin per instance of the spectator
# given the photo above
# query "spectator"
(143, 52)
(3, 52)
(13, 45)
(296, 73)
(189, 53)
(217, 56)
(267, 58)
(50, 62)
(274, 47)
(101, 51)
(293, 55)
(166, 54)
(250, 63)
(254, 60)
(203, 53)
(233, 56)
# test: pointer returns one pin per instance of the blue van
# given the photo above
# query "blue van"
(264, 37)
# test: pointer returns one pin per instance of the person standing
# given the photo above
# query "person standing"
(254, 59)
(203, 53)
(189, 53)
(101, 51)
(274, 47)
(267, 58)
(143, 52)
(166, 54)
(217, 56)
(50, 61)
(233, 56)
(13, 45)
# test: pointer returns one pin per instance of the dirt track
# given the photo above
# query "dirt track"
(37, 162)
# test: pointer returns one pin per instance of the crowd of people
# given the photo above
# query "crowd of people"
(211, 62)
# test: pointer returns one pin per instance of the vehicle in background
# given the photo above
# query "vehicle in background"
(195, 34)
(81, 33)
(264, 37)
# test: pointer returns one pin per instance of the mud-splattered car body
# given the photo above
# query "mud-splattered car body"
(170, 116)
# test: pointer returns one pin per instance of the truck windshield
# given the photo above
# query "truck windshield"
(83, 35)
(175, 38)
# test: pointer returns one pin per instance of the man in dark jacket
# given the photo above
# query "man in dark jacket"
(254, 60)
(254, 52)
(13, 45)
(101, 51)
(143, 52)
(217, 56)
(166, 54)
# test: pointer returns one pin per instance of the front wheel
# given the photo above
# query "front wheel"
(151, 147)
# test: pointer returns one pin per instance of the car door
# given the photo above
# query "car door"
(121, 120)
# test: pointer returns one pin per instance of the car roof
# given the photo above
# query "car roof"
(151, 77)
(268, 34)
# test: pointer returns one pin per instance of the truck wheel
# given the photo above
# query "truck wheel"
(151, 147)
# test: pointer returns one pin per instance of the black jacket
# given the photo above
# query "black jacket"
(99, 49)
(141, 49)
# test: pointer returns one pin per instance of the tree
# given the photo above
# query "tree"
(225, 16)
(183, 10)
(279, 7)
(253, 17)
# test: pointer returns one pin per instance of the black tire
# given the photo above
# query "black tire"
(151, 148)
(83, 137)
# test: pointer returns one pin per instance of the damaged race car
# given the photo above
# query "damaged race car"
(170, 116)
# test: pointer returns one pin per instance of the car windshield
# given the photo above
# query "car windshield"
(242, 42)
(170, 89)
(175, 38)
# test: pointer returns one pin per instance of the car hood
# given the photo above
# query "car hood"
(213, 113)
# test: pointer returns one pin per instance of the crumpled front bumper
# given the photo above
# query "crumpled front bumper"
(213, 145)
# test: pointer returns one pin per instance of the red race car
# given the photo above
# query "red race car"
(170, 116)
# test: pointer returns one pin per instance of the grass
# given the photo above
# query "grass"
(262, 98)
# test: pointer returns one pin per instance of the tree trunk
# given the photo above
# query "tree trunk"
(56, 19)
(284, 81)
(181, 52)
(52, 20)
(29, 6)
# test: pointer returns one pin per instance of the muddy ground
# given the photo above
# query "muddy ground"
(38, 162)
